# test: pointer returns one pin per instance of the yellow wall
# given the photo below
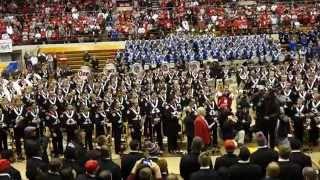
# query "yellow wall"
(82, 46)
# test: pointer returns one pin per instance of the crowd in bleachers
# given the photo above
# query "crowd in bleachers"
(48, 21)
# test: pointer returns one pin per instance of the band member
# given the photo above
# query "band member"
(271, 112)
(153, 114)
(100, 120)
(33, 118)
(54, 125)
(135, 120)
(314, 110)
(70, 119)
(87, 125)
(212, 115)
(116, 119)
(17, 115)
(172, 125)
(3, 131)
(299, 118)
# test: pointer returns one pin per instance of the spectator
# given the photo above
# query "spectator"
(13, 172)
(264, 155)
(163, 165)
(205, 172)
(128, 160)
(288, 170)
(91, 167)
(309, 173)
(68, 174)
(229, 158)
(108, 164)
(71, 161)
(189, 163)
(55, 166)
(244, 169)
(4, 168)
(297, 156)
(105, 175)
(36, 166)
(153, 151)
(272, 171)
(141, 171)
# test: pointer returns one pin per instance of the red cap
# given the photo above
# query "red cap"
(230, 145)
(4, 165)
(91, 166)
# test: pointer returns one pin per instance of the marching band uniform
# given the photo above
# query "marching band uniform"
(172, 114)
(155, 118)
(314, 108)
(135, 121)
(54, 124)
(33, 118)
(212, 117)
(17, 115)
(116, 119)
(70, 119)
(3, 130)
(299, 118)
(100, 119)
(86, 124)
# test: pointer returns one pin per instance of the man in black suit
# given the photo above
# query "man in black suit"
(205, 172)
(228, 159)
(264, 155)
(297, 156)
(36, 167)
(190, 162)
(245, 169)
(107, 163)
(128, 160)
(288, 170)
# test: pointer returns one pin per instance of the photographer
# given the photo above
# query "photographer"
(145, 169)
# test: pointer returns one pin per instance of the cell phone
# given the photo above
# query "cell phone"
(147, 162)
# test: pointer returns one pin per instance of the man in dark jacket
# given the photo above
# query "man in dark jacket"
(55, 166)
(190, 162)
(264, 155)
(128, 161)
(244, 169)
(36, 166)
(205, 172)
(288, 170)
(229, 158)
(107, 164)
(9, 155)
(297, 156)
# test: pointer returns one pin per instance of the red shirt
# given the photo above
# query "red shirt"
(201, 129)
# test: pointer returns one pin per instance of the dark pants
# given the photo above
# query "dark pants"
(189, 142)
(88, 129)
(313, 133)
(100, 130)
(136, 133)
(298, 129)
(214, 136)
(71, 132)
(269, 131)
(57, 139)
(3, 140)
(157, 130)
(18, 135)
(172, 142)
(117, 131)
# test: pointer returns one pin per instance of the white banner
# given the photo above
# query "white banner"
(5, 46)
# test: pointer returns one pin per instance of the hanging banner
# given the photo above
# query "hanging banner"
(5, 46)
